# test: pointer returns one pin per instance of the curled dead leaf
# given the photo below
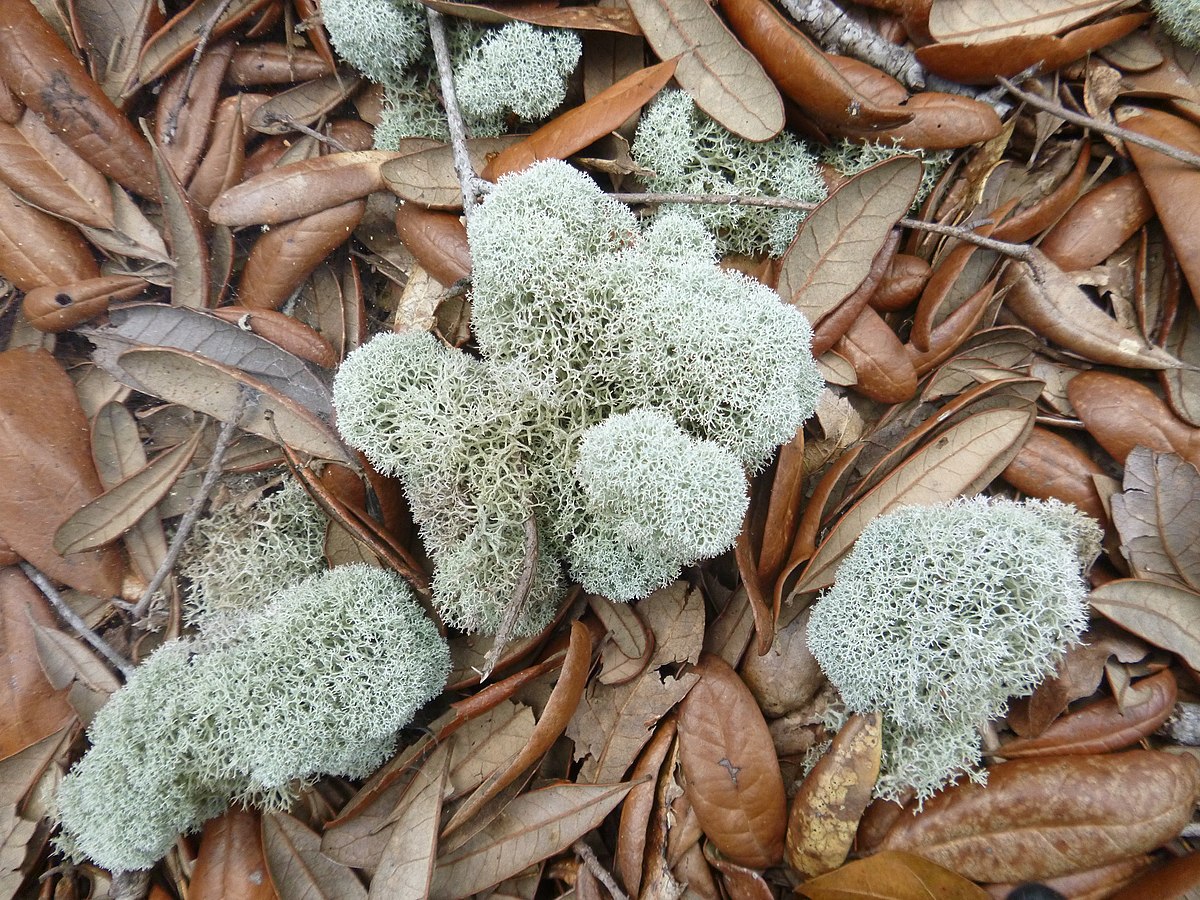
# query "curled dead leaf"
(56, 308)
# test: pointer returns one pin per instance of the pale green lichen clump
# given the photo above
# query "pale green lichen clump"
(691, 154)
(317, 682)
(940, 614)
(519, 69)
(1180, 19)
(378, 37)
(579, 318)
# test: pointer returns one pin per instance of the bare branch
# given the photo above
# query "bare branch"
(72, 618)
(520, 601)
(454, 119)
(588, 857)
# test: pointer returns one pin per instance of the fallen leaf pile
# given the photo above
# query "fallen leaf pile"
(197, 230)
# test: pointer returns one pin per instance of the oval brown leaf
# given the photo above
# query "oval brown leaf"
(303, 104)
(885, 371)
(185, 108)
(902, 283)
(1100, 221)
(1049, 466)
(428, 177)
(437, 239)
(287, 254)
(543, 12)
(1038, 818)
(267, 63)
(533, 827)
(837, 242)
(1103, 725)
(33, 708)
(939, 122)
(56, 308)
(831, 800)
(731, 773)
(1121, 414)
(584, 124)
(297, 866)
(176, 40)
(285, 332)
(963, 460)
(724, 79)
(891, 875)
(1161, 614)
(231, 865)
(46, 470)
(39, 250)
(223, 160)
(1054, 306)
(39, 68)
(640, 808)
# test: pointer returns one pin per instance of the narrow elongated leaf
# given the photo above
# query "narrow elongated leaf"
(297, 867)
(406, 867)
(428, 176)
(990, 20)
(1121, 414)
(176, 40)
(1039, 818)
(533, 827)
(836, 244)
(189, 250)
(1165, 616)
(539, 12)
(724, 79)
(731, 773)
(964, 459)
(118, 509)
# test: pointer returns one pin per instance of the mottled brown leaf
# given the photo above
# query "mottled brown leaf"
(186, 104)
(724, 79)
(1100, 221)
(46, 470)
(297, 867)
(831, 800)
(1121, 414)
(437, 239)
(231, 865)
(267, 63)
(303, 104)
(1175, 878)
(428, 176)
(730, 771)
(891, 875)
(33, 708)
(938, 122)
(1038, 818)
(533, 827)
(1163, 615)
(1103, 725)
(989, 20)
(56, 308)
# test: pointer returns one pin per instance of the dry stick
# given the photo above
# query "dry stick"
(1116, 131)
(520, 601)
(588, 857)
(311, 132)
(454, 119)
(206, 31)
(124, 666)
(1022, 252)
(193, 513)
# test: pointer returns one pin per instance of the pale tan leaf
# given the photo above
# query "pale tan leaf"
(1166, 616)
(15, 834)
(303, 104)
(630, 640)
(836, 244)
(406, 867)
(20, 772)
(962, 461)
(298, 869)
(533, 827)
(724, 79)
(486, 743)
(1158, 517)
(428, 177)
(120, 507)
(971, 21)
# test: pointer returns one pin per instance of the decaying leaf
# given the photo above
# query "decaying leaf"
(406, 866)
(1158, 517)
(1038, 818)
(297, 866)
(894, 875)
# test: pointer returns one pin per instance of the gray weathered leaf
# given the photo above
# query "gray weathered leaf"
(406, 867)
(1158, 517)
(298, 869)
(1166, 616)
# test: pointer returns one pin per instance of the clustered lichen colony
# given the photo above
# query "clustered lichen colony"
(621, 389)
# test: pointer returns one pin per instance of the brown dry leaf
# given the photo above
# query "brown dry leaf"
(837, 242)
(614, 722)
(1182, 386)
(803, 71)
(285, 332)
(940, 122)
(33, 708)
(15, 834)
(135, 236)
(641, 813)
(891, 875)
(1038, 818)
(308, 186)
(585, 124)
(46, 470)
(437, 239)
(1049, 466)
(724, 79)
(628, 644)
(112, 33)
(297, 866)
(1158, 517)
(831, 800)
(186, 104)
(231, 865)
(731, 774)
(405, 868)
(59, 308)
(428, 176)
(1056, 307)
(1121, 414)
(1178, 877)
(39, 166)
(531, 828)
(1172, 185)
(786, 677)
(39, 68)
(1100, 221)
(119, 508)
(548, 13)
(304, 104)
(37, 249)
(963, 460)
(176, 40)
(1163, 615)
(190, 255)
(1102, 726)
(884, 370)
(21, 772)
(989, 20)
(225, 156)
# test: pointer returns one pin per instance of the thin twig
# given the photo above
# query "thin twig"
(1022, 252)
(72, 618)
(206, 31)
(454, 119)
(311, 132)
(1095, 124)
(193, 513)
(519, 603)
(588, 857)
